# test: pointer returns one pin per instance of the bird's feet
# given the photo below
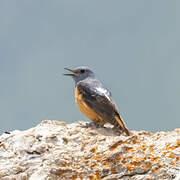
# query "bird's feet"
(94, 125)
(117, 130)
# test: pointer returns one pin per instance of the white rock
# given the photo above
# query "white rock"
(53, 150)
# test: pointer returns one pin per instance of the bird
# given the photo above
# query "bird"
(94, 100)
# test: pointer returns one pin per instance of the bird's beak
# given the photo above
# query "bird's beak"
(71, 70)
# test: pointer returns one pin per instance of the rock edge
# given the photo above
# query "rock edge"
(55, 150)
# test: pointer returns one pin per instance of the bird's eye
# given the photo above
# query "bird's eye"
(82, 71)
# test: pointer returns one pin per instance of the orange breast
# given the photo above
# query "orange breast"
(85, 109)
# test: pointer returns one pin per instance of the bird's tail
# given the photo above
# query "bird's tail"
(121, 124)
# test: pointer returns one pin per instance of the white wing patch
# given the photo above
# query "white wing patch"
(103, 91)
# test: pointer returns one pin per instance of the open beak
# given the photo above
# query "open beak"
(70, 74)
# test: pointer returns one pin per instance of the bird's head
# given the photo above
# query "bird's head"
(80, 73)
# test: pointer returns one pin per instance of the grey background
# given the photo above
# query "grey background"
(132, 46)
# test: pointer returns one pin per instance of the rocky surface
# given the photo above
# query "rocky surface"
(55, 150)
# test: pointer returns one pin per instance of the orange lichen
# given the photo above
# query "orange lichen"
(96, 156)
(63, 164)
(93, 150)
(92, 164)
(134, 141)
(155, 158)
(141, 159)
(143, 148)
(164, 153)
(172, 163)
(98, 175)
(117, 156)
(135, 163)
(128, 148)
(143, 142)
(115, 145)
(129, 167)
(129, 157)
(171, 155)
(65, 140)
(112, 161)
(62, 172)
(63, 177)
(177, 158)
(159, 167)
(178, 142)
(104, 158)
(123, 160)
(83, 145)
(91, 178)
(149, 156)
(131, 150)
(85, 159)
(74, 177)
(145, 166)
(106, 165)
(114, 171)
(172, 148)
(149, 178)
(151, 149)
(126, 142)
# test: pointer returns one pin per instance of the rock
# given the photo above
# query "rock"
(56, 150)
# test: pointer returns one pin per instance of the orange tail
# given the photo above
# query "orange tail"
(122, 125)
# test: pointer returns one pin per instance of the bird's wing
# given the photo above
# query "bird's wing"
(100, 101)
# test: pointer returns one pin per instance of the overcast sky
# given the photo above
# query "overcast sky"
(132, 46)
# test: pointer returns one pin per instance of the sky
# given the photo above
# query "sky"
(132, 46)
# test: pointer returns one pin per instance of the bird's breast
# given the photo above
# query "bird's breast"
(84, 108)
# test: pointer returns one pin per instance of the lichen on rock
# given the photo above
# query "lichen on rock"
(55, 150)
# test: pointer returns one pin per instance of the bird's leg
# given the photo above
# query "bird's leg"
(91, 124)
(99, 125)
(117, 130)
(95, 124)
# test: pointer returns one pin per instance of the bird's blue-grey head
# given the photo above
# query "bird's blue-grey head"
(80, 73)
